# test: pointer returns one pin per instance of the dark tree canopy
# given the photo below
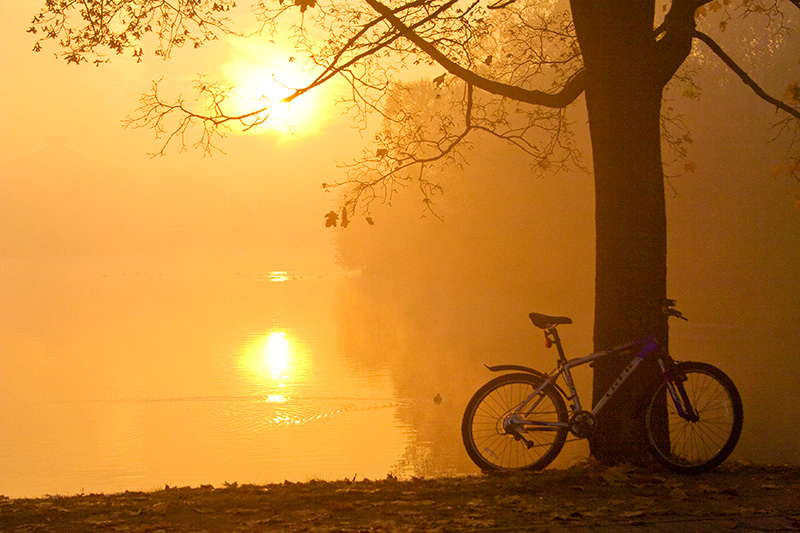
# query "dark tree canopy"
(512, 69)
(506, 68)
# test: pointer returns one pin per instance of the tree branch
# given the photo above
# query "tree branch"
(675, 37)
(568, 93)
(332, 69)
(89, 28)
(746, 79)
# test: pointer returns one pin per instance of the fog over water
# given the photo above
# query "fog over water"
(140, 296)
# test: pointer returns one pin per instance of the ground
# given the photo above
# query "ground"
(587, 498)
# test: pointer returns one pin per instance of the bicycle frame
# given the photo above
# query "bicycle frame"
(647, 346)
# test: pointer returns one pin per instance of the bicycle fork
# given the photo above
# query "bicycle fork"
(674, 382)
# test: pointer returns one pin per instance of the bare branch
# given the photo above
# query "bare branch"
(500, 4)
(427, 130)
(570, 91)
(746, 79)
(172, 120)
(334, 68)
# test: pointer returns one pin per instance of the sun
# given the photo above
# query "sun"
(263, 75)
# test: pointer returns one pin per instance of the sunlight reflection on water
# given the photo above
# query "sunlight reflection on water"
(120, 383)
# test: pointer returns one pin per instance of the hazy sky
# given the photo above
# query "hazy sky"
(42, 99)
(86, 103)
(729, 207)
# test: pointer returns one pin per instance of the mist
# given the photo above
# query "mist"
(444, 293)
(117, 261)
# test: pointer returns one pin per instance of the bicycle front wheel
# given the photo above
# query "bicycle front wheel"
(507, 427)
(696, 444)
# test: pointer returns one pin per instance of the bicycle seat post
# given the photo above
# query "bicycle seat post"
(548, 324)
(551, 337)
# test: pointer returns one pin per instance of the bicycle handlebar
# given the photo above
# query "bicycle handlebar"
(669, 311)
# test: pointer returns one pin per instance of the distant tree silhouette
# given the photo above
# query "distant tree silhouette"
(618, 55)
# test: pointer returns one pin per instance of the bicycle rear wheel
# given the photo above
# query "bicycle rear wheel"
(689, 445)
(500, 433)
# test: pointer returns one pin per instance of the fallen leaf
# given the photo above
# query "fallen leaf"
(616, 474)
(678, 494)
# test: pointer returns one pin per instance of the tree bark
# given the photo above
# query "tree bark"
(623, 99)
(630, 275)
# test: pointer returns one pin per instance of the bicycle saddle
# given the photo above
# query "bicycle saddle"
(546, 321)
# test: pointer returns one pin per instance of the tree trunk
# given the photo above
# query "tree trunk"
(623, 99)
(630, 276)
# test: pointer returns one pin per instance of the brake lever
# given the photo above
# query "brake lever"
(676, 314)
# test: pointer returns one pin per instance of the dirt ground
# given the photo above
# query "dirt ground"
(586, 498)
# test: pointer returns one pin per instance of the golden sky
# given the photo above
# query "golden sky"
(46, 97)
(43, 100)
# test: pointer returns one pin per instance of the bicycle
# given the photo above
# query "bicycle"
(520, 421)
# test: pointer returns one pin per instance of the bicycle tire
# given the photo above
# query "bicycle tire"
(697, 446)
(491, 446)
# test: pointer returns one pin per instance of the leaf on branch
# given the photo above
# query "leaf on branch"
(700, 12)
(331, 219)
(488, 60)
(382, 152)
(439, 80)
(370, 221)
(792, 94)
(305, 4)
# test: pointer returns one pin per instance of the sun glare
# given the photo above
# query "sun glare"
(275, 360)
(277, 354)
(264, 75)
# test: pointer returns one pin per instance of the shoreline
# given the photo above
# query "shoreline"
(732, 497)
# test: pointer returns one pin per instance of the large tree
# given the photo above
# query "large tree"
(508, 68)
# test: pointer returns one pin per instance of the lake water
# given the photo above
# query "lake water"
(116, 378)
(122, 376)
